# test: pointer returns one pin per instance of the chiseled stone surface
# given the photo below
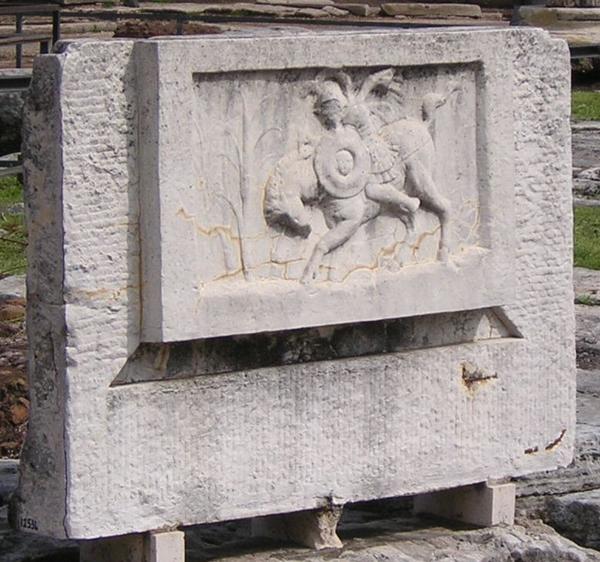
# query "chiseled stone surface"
(385, 524)
(584, 472)
(568, 498)
(103, 459)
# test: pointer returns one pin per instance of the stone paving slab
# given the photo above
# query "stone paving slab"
(364, 10)
(587, 284)
(468, 14)
(298, 3)
(587, 334)
(575, 33)
(402, 539)
(544, 16)
(573, 3)
(577, 515)
(586, 162)
(580, 202)
(13, 286)
(420, 10)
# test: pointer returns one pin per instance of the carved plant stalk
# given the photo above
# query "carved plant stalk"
(250, 194)
(211, 202)
(248, 216)
(246, 176)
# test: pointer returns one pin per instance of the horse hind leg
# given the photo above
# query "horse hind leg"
(337, 236)
(434, 201)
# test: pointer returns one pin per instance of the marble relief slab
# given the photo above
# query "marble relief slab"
(240, 300)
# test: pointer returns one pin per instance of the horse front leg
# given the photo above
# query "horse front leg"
(433, 200)
(337, 236)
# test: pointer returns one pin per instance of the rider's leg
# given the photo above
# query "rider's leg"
(387, 194)
(403, 205)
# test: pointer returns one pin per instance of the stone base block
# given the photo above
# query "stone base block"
(480, 504)
(314, 528)
(165, 547)
(151, 547)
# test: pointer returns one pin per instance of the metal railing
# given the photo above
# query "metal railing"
(20, 37)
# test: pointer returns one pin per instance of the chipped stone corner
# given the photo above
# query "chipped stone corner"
(43, 466)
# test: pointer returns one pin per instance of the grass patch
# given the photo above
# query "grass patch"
(587, 237)
(11, 191)
(13, 243)
(13, 236)
(585, 105)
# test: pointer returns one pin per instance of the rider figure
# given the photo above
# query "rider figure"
(387, 170)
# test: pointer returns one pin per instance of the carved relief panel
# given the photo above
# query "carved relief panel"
(320, 177)
(316, 196)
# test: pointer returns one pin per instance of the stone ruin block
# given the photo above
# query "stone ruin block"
(276, 271)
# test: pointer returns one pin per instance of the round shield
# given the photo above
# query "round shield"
(342, 163)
